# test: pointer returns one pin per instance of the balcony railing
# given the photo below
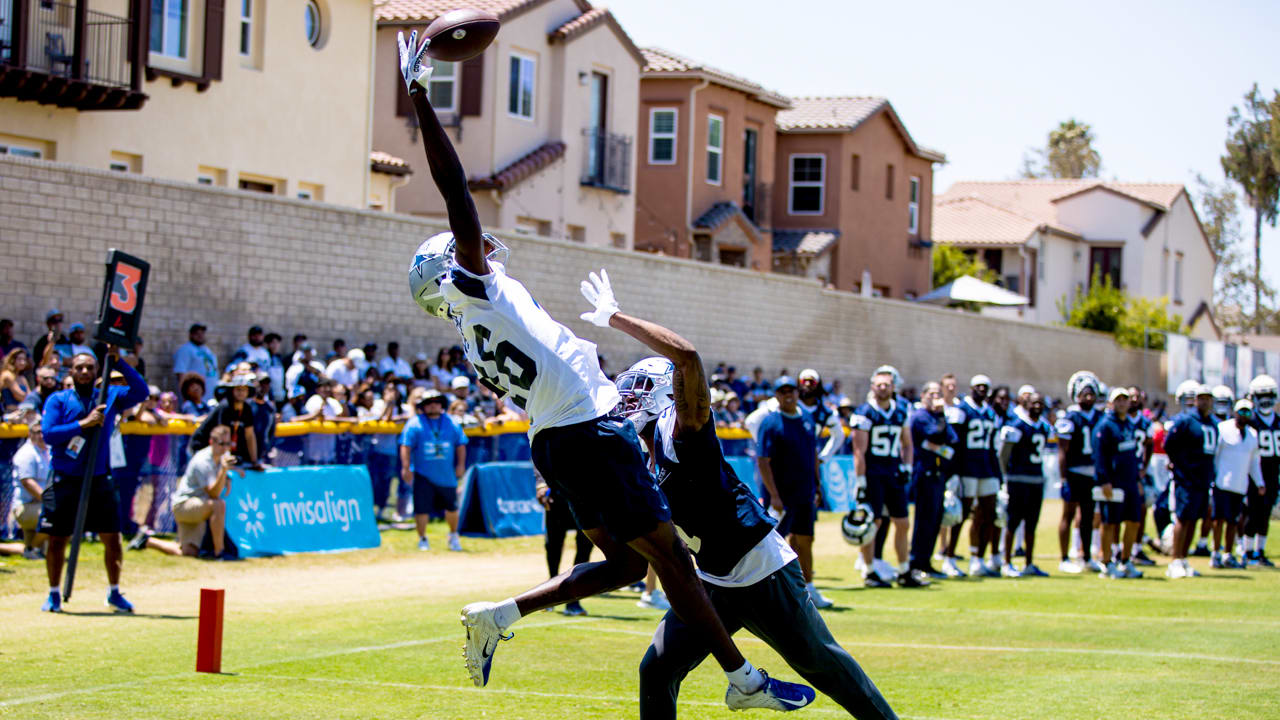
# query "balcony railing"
(607, 161)
(64, 54)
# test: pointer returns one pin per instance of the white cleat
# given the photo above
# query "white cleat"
(950, 569)
(455, 545)
(483, 635)
(1175, 570)
(1070, 566)
(886, 571)
(1095, 566)
(424, 544)
(1010, 571)
(656, 600)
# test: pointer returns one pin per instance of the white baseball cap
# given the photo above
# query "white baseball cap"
(1026, 390)
(1118, 392)
(460, 382)
(979, 380)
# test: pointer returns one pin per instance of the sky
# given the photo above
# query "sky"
(984, 81)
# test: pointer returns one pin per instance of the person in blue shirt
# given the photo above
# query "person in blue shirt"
(1023, 440)
(881, 447)
(934, 441)
(1116, 465)
(1075, 462)
(433, 458)
(69, 417)
(1190, 444)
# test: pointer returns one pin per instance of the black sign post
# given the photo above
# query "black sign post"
(119, 316)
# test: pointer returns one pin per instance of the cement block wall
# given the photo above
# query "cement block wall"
(232, 259)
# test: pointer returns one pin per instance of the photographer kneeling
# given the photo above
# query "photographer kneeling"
(197, 501)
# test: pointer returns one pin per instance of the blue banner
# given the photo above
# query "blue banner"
(837, 479)
(500, 501)
(280, 511)
(745, 468)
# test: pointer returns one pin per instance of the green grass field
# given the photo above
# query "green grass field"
(375, 634)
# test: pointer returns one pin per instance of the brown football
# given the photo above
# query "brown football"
(461, 34)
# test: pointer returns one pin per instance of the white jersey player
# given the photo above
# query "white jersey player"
(593, 460)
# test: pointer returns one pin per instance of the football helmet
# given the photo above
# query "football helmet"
(858, 525)
(1186, 393)
(1223, 399)
(952, 511)
(1264, 392)
(889, 370)
(1083, 380)
(646, 390)
(432, 262)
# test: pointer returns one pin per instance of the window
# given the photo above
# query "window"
(913, 205)
(206, 175)
(808, 174)
(246, 27)
(662, 136)
(577, 233)
(19, 151)
(520, 89)
(855, 171)
(1177, 278)
(443, 90)
(702, 247)
(118, 167)
(204, 180)
(310, 191)
(715, 148)
(750, 140)
(258, 186)
(304, 195)
(533, 226)
(734, 257)
(313, 24)
(169, 28)
(888, 183)
(619, 240)
(1105, 260)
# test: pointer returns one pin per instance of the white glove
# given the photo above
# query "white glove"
(946, 452)
(412, 65)
(599, 293)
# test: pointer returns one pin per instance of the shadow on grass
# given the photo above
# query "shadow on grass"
(108, 613)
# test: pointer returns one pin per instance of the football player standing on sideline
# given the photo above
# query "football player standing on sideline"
(1116, 464)
(1236, 462)
(934, 442)
(1075, 460)
(1264, 392)
(881, 447)
(1022, 446)
(1191, 444)
(979, 472)
(524, 356)
(1144, 434)
(787, 456)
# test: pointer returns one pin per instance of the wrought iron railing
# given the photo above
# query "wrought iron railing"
(51, 41)
(607, 160)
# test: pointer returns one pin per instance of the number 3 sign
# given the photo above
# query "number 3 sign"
(120, 312)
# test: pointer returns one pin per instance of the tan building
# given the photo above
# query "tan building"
(543, 121)
(854, 197)
(265, 96)
(1047, 239)
(706, 170)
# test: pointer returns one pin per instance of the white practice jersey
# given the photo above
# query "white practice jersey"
(524, 355)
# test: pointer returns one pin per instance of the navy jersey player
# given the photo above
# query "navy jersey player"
(882, 446)
(1144, 434)
(979, 471)
(751, 574)
(1075, 459)
(1117, 463)
(1191, 443)
(813, 401)
(1266, 421)
(1023, 440)
(594, 461)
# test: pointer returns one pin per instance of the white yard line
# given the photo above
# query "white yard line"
(1236, 622)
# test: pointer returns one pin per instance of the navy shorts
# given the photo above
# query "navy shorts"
(62, 497)
(432, 499)
(599, 467)
(1127, 510)
(1227, 505)
(887, 496)
(1189, 503)
(799, 518)
(1025, 499)
(1077, 488)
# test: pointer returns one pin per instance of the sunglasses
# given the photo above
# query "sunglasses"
(219, 443)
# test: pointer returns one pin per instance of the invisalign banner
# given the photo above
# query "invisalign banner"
(326, 508)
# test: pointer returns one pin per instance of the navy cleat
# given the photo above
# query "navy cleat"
(117, 603)
(53, 603)
(777, 695)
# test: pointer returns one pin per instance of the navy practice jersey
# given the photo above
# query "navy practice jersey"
(976, 456)
(925, 426)
(1268, 444)
(1028, 438)
(791, 445)
(1141, 434)
(1190, 444)
(884, 446)
(1075, 430)
(716, 514)
(1114, 460)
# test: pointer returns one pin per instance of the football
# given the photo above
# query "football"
(461, 34)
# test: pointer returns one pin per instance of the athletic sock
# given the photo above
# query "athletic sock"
(997, 560)
(1135, 549)
(973, 553)
(1115, 551)
(115, 588)
(506, 614)
(55, 590)
(1075, 545)
(1095, 546)
(746, 678)
(1262, 543)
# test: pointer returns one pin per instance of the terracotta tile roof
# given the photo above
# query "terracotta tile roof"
(718, 215)
(660, 63)
(520, 169)
(424, 11)
(828, 113)
(804, 242)
(389, 164)
(1008, 212)
(590, 19)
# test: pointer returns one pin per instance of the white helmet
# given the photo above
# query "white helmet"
(431, 264)
(858, 525)
(1187, 392)
(952, 510)
(1223, 399)
(1264, 392)
(646, 390)
(1083, 380)
(889, 370)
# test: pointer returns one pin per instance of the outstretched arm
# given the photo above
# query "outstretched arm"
(446, 169)
(688, 384)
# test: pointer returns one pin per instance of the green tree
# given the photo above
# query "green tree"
(1250, 161)
(950, 262)
(1109, 309)
(1069, 153)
